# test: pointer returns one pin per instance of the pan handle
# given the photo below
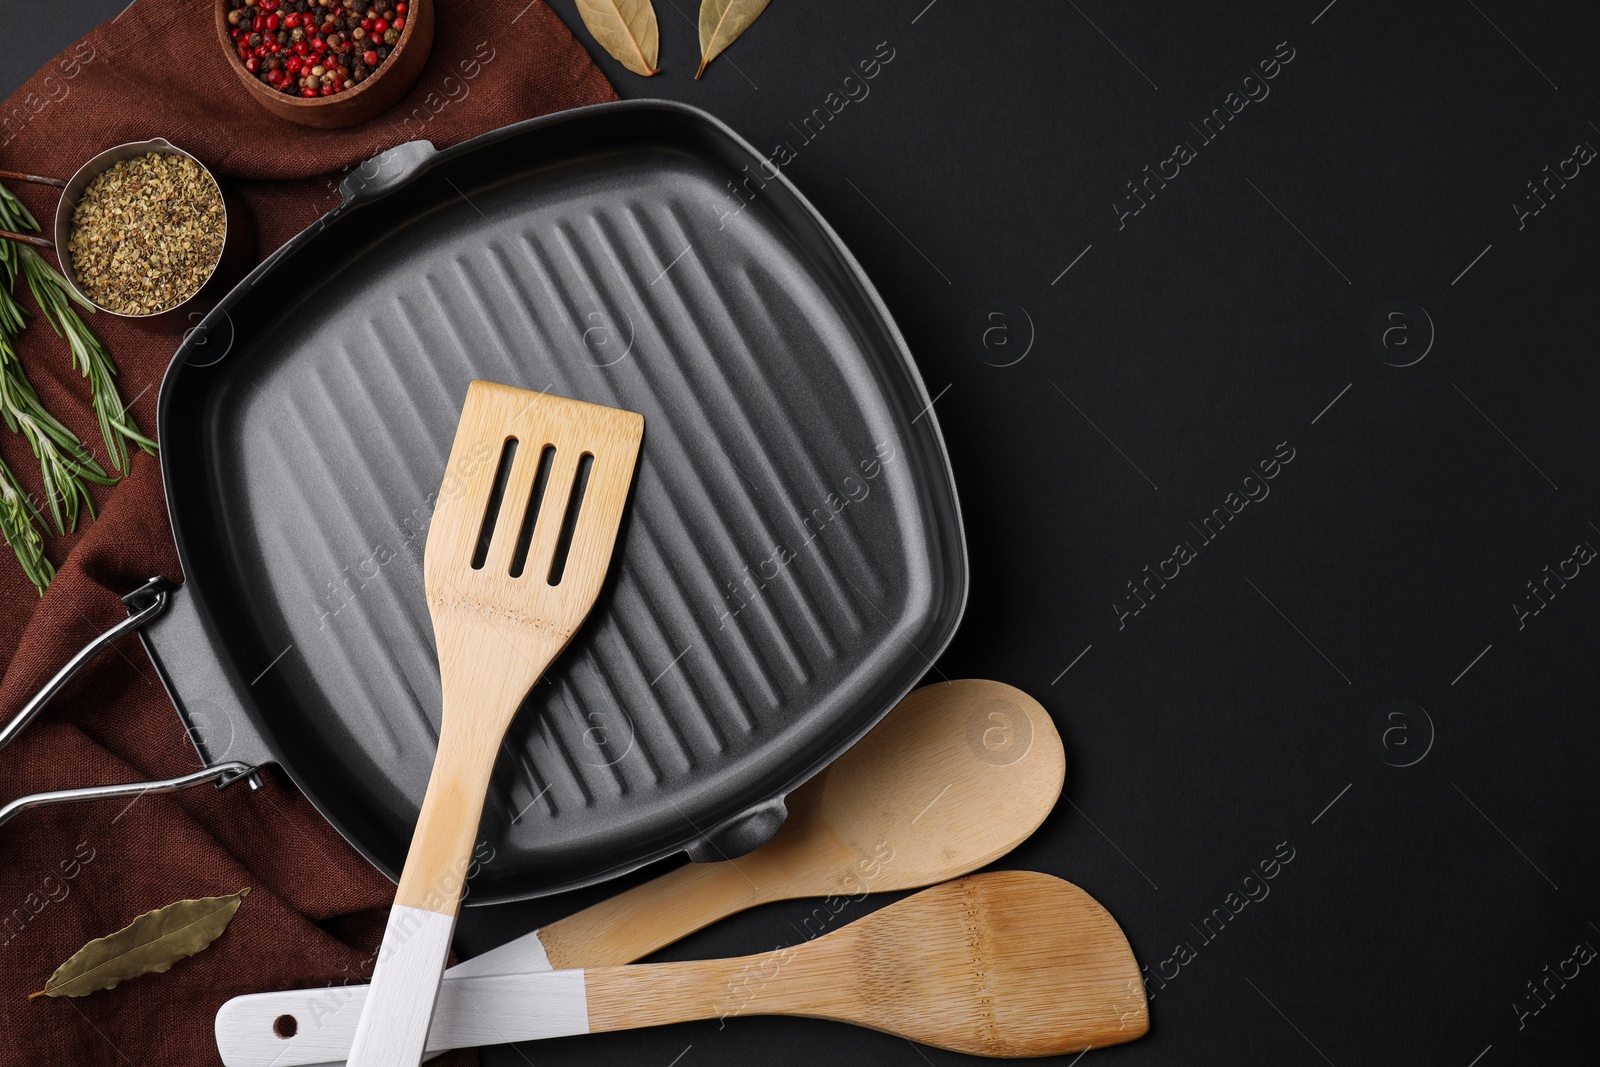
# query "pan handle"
(145, 602)
(387, 170)
(224, 774)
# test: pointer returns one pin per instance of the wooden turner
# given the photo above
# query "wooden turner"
(519, 544)
(1009, 963)
(958, 774)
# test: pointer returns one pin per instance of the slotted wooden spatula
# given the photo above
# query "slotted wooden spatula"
(519, 545)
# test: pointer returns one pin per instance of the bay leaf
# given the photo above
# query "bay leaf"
(721, 23)
(625, 28)
(150, 944)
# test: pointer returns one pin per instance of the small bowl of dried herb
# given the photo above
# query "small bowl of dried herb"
(141, 229)
(326, 63)
(141, 232)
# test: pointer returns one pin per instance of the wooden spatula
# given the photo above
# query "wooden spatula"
(957, 775)
(1008, 963)
(519, 544)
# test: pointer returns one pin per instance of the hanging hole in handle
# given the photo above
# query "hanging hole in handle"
(286, 1026)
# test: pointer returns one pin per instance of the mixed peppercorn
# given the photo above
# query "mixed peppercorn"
(315, 47)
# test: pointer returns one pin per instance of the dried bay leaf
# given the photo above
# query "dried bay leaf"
(625, 28)
(150, 944)
(721, 23)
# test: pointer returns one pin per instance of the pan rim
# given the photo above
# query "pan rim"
(952, 567)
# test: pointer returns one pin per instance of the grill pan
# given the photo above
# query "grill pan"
(791, 565)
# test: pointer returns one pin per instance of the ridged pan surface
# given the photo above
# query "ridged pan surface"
(791, 562)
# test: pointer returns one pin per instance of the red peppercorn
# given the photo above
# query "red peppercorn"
(283, 44)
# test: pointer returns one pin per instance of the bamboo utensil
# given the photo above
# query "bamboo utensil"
(1008, 963)
(957, 775)
(924, 797)
(519, 544)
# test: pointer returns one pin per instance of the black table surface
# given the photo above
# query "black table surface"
(1163, 267)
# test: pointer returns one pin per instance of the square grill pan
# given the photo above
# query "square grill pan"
(791, 565)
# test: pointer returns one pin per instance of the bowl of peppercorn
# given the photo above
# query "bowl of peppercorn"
(326, 63)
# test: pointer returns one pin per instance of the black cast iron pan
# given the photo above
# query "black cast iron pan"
(791, 566)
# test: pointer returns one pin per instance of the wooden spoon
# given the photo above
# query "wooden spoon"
(957, 775)
(518, 546)
(1008, 963)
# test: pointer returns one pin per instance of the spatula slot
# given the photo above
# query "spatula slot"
(491, 510)
(569, 522)
(530, 515)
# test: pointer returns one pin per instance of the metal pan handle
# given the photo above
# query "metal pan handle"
(386, 171)
(144, 604)
(224, 774)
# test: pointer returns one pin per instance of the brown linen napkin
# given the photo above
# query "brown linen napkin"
(316, 910)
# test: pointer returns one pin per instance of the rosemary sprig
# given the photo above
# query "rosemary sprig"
(19, 524)
(14, 214)
(65, 465)
(55, 298)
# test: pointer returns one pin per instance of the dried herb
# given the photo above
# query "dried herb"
(625, 28)
(149, 945)
(721, 23)
(146, 233)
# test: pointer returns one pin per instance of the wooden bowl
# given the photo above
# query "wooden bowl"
(367, 100)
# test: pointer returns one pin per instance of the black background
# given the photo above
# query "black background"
(1246, 705)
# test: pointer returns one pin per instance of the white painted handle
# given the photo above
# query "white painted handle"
(250, 1025)
(488, 1010)
(393, 1029)
(521, 956)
